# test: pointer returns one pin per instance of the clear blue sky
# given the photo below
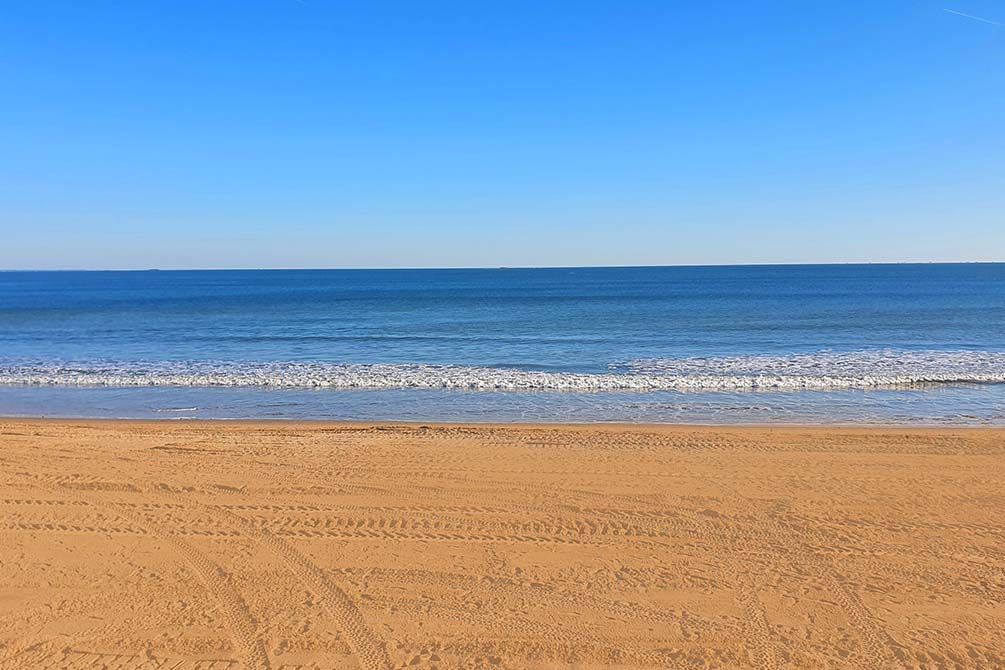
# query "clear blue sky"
(314, 133)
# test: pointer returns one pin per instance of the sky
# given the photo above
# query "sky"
(315, 133)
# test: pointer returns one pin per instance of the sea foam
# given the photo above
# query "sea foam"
(820, 370)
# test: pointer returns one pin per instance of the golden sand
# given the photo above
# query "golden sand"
(225, 545)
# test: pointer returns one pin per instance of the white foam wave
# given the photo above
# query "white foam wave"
(821, 370)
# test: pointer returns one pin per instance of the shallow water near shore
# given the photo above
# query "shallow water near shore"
(982, 405)
(751, 344)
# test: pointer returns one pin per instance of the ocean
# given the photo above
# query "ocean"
(870, 344)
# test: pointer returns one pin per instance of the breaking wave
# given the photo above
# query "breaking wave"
(821, 370)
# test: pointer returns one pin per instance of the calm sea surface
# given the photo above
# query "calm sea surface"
(750, 344)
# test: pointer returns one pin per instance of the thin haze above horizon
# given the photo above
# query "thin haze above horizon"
(313, 133)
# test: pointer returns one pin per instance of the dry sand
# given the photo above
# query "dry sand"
(183, 545)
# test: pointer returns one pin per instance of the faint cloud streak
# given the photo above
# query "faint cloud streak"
(971, 16)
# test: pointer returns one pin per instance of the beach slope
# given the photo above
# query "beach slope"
(210, 545)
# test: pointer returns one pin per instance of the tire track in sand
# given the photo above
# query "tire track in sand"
(875, 637)
(214, 579)
(369, 650)
(876, 640)
(755, 622)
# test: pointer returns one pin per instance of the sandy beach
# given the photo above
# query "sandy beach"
(223, 545)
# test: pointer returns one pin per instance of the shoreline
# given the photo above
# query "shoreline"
(529, 425)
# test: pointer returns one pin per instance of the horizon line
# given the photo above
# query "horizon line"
(497, 267)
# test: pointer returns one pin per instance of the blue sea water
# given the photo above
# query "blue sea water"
(735, 344)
